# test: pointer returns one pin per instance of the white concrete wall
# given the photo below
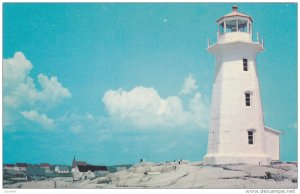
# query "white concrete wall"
(230, 117)
(234, 37)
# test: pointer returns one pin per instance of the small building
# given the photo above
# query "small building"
(76, 163)
(62, 169)
(272, 138)
(21, 166)
(46, 166)
(35, 173)
(8, 166)
(83, 172)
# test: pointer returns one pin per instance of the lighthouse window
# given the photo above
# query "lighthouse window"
(221, 28)
(231, 26)
(250, 27)
(250, 137)
(242, 25)
(247, 98)
(245, 64)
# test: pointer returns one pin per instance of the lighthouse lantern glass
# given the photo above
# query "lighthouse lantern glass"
(231, 26)
(242, 26)
(234, 25)
(221, 28)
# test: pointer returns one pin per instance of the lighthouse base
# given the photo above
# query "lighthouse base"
(237, 158)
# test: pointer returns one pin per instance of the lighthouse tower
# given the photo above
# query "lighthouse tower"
(237, 132)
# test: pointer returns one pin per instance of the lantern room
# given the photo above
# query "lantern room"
(234, 27)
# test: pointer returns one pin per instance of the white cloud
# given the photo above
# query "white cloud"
(77, 128)
(189, 85)
(19, 87)
(52, 90)
(41, 119)
(20, 92)
(144, 108)
(199, 110)
(17, 84)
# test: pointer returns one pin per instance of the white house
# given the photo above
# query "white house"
(8, 166)
(83, 172)
(62, 169)
(21, 166)
(237, 133)
(46, 166)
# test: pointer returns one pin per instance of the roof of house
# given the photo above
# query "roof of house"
(21, 165)
(76, 163)
(9, 165)
(45, 165)
(272, 130)
(93, 168)
(80, 163)
(35, 171)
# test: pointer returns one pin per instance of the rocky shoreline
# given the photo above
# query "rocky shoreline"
(184, 175)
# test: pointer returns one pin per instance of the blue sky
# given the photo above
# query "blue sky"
(113, 83)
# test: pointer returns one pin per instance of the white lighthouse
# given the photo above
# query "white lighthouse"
(237, 133)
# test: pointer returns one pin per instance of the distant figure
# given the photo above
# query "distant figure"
(55, 184)
(141, 160)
